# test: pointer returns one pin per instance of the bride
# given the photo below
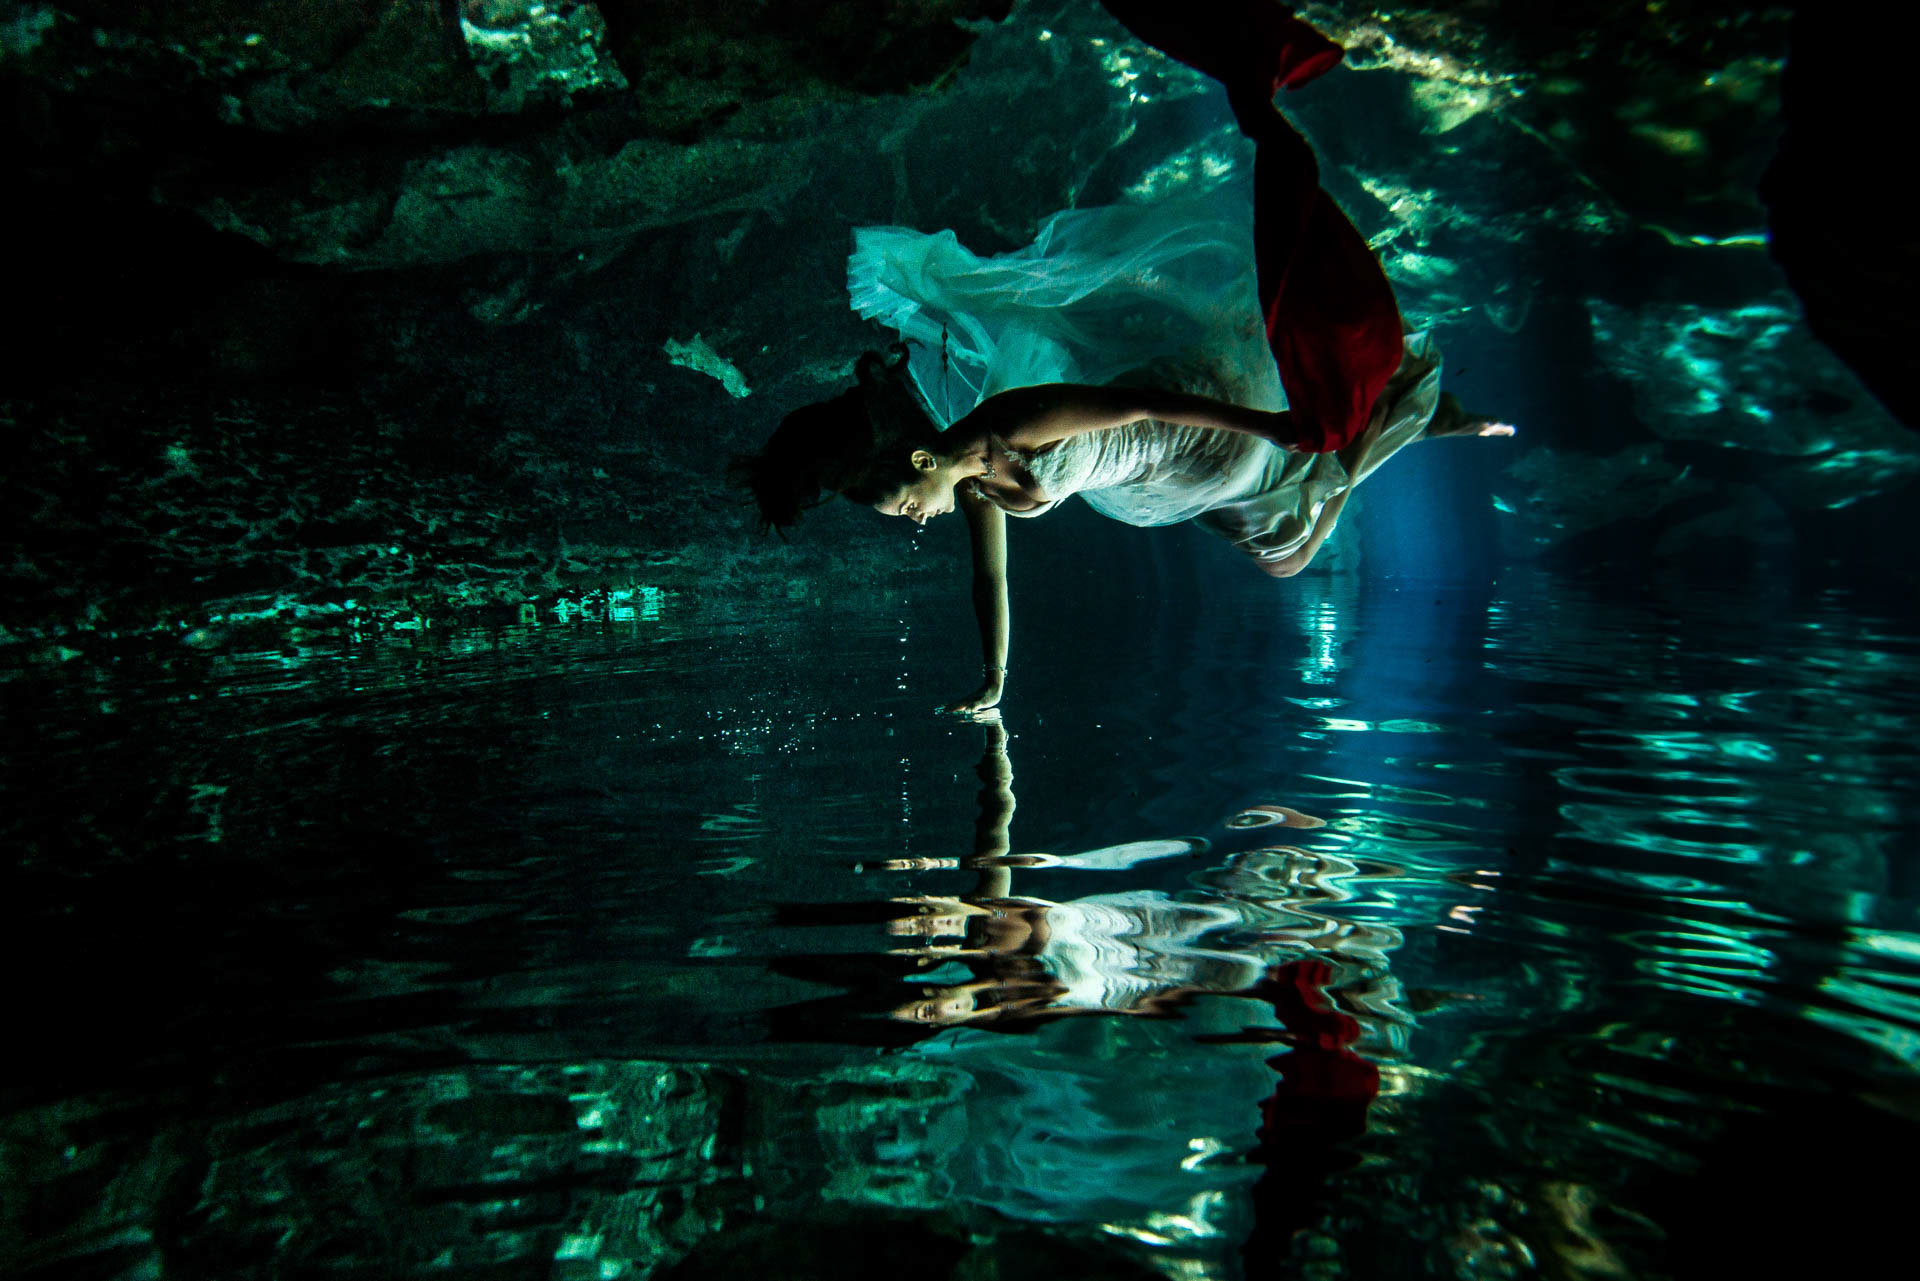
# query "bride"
(1154, 359)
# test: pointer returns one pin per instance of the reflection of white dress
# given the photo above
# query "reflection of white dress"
(1159, 294)
(1118, 951)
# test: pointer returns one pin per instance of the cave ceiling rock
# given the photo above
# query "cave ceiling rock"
(1674, 113)
(531, 52)
(422, 132)
(450, 203)
(1669, 110)
(284, 65)
(1752, 377)
(272, 65)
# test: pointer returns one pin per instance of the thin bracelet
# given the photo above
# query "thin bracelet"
(990, 667)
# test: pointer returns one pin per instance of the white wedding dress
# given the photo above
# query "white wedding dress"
(1159, 294)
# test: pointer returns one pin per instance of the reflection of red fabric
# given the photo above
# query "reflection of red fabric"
(1319, 1105)
(1324, 1086)
(1300, 1003)
(1331, 317)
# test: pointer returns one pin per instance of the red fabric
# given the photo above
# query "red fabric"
(1332, 321)
(1252, 45)
(1324, 1086)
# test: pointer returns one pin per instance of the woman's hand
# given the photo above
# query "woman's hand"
(982, 699)
(1278, 426)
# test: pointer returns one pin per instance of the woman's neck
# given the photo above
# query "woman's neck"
(975, 458)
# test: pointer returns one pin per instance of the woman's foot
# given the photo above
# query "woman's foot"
(1451, 419)
(1301, 54)
(1255, 47)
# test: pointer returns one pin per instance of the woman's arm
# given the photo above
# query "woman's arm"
(987, 529)
(1028, 418)
(992, 834)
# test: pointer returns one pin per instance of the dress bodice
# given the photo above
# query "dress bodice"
(1150, 472)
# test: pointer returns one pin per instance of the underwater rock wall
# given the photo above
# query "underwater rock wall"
(1575, 192)
(548, 265)
(595, 1169)
(372, 245)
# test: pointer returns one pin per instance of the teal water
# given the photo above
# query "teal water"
(656, 944)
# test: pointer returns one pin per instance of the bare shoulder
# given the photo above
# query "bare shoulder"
(1013, 408)
(1032, 418)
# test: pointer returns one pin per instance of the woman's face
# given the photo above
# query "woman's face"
(942, 1006)
(929, 496)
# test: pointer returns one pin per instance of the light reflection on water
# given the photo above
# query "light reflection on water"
(618, 937)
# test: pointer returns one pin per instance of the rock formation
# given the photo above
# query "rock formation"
(431, 302)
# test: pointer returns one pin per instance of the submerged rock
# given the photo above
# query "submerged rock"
(1751, 378)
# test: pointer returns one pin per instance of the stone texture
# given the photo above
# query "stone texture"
(584, 1171)
(449, 245)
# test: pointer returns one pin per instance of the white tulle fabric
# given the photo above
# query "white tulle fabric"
(1160, 294)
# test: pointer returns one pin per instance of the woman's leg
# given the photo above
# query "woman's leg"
(1292, 563)
(1332, 321)
(1255, 46)
(1453, 419)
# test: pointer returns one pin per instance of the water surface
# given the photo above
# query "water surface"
(614, 945)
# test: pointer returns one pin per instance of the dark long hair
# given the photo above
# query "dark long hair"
(859, 444)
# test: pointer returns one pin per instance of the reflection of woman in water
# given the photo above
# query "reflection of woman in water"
(1119, 356)
(1255, 926)
(1142, 952)
(1139, 951)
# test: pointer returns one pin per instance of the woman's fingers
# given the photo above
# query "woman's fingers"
(912, 864)
(981, 700)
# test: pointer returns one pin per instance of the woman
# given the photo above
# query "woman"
(1118, 356)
